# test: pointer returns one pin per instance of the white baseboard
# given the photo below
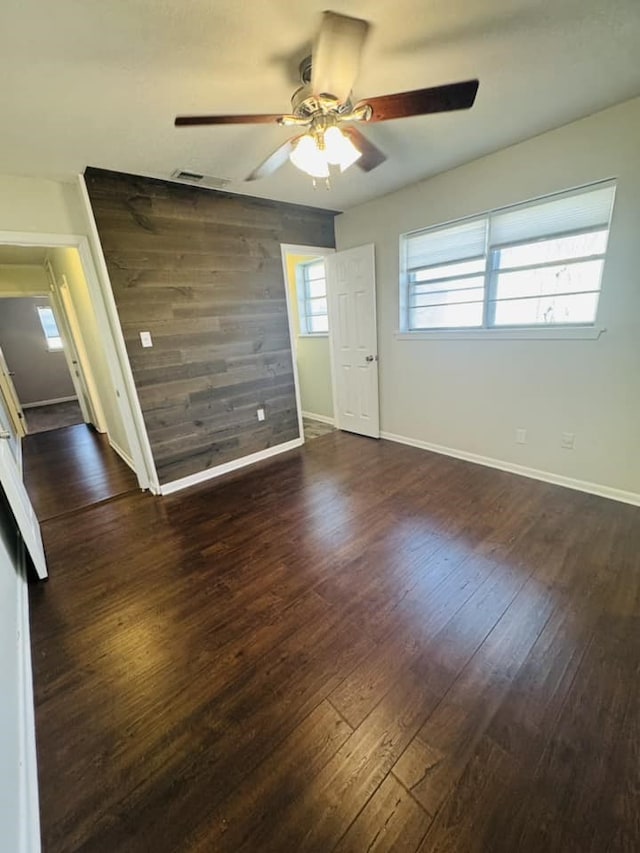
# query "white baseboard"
(29, 811)
(51, 402)
(124, 456)
(522, 470)
(323, 419)
(227, 467)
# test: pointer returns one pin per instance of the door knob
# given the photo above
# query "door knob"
(5, 434)
(371, 358)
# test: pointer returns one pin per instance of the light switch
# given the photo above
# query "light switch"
(145, 339)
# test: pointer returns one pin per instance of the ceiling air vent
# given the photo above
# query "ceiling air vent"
(187, 177)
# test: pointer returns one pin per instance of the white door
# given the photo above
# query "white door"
(11, 480)
(351, 290)
(12, 407)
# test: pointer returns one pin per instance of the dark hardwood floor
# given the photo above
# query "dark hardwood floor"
(358, 646)
(71, 468)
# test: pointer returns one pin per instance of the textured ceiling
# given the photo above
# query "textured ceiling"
(87, 83)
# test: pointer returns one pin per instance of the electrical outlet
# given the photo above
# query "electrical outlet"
(521, 436)
(145, 339)
(567, 440)
(260, 413)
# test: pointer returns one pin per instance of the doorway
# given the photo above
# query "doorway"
(305, 275)
(331, 299)
(55, 381)
(36, 361)
(52, 357)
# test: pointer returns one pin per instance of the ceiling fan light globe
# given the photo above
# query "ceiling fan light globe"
(340, 150)
(307, 157)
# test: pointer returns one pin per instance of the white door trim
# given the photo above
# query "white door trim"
(294, 249)
(85, 385)
(29, 809)
(110, 333)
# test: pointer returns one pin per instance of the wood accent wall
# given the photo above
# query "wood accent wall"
(202, 271)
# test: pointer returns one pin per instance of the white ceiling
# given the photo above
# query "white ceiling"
(89, 83)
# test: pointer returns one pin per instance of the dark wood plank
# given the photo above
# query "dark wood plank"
(202, 271)
(249, 813)
(391, 820)
(478, 633)
(70, 468)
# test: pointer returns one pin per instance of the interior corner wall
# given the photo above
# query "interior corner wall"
(202, 272)
(470, 396)
(312, 353)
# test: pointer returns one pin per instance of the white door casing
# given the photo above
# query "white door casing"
(353, 337)
(11, 480)
(12, 405)
(75, 351)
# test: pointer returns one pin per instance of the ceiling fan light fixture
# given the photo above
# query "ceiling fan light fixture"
(339, 150)
(307, 157)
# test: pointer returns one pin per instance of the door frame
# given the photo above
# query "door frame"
(10, 398)
(320, 252)
(112, 339)
(78, 361)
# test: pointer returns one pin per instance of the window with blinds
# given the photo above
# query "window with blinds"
(312, 298)
(530, 265)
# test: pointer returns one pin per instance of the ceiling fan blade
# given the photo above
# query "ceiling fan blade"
(372, 156)
(336, 55)
(274, 161)
(438, 99)
(190, 121)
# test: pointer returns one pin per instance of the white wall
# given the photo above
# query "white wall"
(38, 205)
(314, 372)
(470, 396)
(39, 374)
(23, 280)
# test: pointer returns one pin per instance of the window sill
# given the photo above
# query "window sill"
(565, 333)
(313, 335)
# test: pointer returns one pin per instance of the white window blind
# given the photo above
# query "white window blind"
(587, 209)
(535, 264)
(442, 246)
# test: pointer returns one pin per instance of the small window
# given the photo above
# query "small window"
(538, 264)
(312, 298)
(50, 329)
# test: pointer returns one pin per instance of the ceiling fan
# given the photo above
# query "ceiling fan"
(323, 106)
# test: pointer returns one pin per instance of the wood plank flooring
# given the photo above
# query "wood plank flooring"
(68, 469)
(358, 646)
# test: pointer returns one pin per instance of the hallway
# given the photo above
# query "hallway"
(68, 469)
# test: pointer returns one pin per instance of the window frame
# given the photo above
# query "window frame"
(51, 347)
(492, 270)
(305, 298)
